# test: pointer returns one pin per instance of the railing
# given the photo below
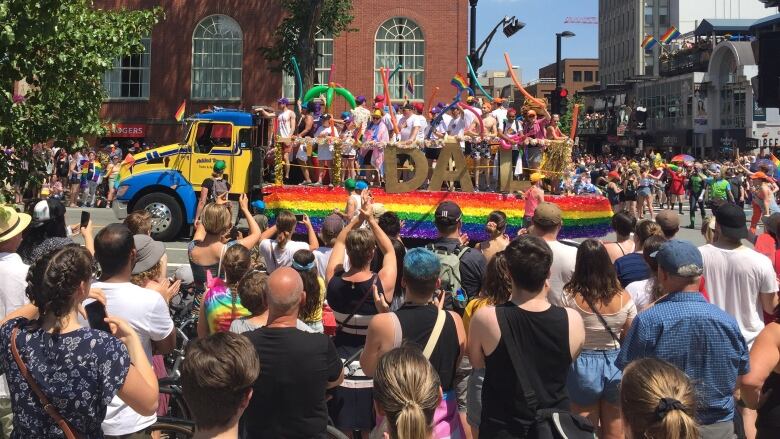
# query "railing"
(686, 61)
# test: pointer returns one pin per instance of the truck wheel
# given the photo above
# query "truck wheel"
(167, 218)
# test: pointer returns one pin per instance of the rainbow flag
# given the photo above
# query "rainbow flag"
(648, 42)
(587, 216)
(459, 82)
(410, 85)
(670, 35)
(179, 115)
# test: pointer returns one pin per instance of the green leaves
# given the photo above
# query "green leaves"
(61, 48)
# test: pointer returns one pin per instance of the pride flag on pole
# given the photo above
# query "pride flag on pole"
(649, 42)
(410, 85)
(179, 115)
(459, 82)
(670, 35)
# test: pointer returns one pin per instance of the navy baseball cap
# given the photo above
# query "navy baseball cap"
(732, 221)
(679, 258)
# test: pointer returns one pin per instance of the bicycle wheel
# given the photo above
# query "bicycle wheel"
(334, 433)
(173, 429)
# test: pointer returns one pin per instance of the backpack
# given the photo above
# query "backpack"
(449, 274)
(219, 186)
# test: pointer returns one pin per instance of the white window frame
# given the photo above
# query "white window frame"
(112, 79)
(401, 27)
(228, 75)
(325, 53)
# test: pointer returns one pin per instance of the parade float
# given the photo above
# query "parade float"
(166, 180)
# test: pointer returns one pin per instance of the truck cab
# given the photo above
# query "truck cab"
(166, 181)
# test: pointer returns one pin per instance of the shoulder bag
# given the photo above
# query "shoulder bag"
(48, 407)
(363, 299)
(549, 423)
(602, 319)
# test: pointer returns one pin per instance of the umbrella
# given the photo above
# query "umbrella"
(683, 158)
(765, 162)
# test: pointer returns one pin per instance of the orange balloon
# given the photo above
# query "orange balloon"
(517, 83)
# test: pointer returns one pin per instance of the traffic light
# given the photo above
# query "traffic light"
(560, 100)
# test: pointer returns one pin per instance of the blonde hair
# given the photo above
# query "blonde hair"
(658, 401)
(408, 390)
(143, 278)
(285, 226)
(708, 229)
(360, 247)
(216, 219)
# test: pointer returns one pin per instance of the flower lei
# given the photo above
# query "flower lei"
(434, 143)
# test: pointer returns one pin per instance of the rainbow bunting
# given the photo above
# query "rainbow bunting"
(179, 115)
(670, 35)
(459, 82)
(583, 216)
(648, 42)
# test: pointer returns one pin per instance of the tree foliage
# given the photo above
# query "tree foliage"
(295, 35)
(566, 117)
(61, 48)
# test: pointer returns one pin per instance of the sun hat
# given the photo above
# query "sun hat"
(148, 253)
(12, 222)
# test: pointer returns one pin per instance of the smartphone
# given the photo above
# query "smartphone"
(96, 315)
(299, 217)
(84, 218)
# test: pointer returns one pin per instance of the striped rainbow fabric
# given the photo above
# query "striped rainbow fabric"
(583, 216)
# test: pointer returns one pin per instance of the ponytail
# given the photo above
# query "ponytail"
(407, 389)
(285, 225)
(658, 400)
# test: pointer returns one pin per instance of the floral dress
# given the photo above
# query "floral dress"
(79, 371)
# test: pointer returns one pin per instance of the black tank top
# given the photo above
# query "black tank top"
(769, 413)
(416, 326)
(343, 298)
(544, 344)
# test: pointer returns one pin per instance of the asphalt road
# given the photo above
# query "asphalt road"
(177, 251)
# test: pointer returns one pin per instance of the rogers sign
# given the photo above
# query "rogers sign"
(126, 130)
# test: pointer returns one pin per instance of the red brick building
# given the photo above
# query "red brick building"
(206, 52)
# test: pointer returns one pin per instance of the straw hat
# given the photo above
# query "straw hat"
(12, 223)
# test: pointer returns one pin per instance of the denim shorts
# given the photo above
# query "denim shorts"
(594, 376)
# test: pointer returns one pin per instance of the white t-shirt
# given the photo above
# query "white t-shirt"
(145, 311)
(423, 123)
(322, 257)
(456, 127)
(407, 125)
(734, 280)
(285, 118)
(470, 117)
(500, 115)
(324, 146)
(276, 257)
(13, 283)
(641, 293)
(561, 271)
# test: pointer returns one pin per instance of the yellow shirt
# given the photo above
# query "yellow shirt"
(472, 309)
(317, 314)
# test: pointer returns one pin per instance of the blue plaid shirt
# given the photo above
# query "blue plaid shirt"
(701, 340)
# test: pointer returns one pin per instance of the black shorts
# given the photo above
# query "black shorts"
(402, 158)
(432, 153)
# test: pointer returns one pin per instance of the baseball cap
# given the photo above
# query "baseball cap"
(45, 210)
(668, 220)
(447, 212)
(148, 253)
(760, 176)
(536, 176)
(360, 99)
(258, 205)
(349, 184)
(408, 106)
(360, 185)
(498, 100)
(772, 223)
(680, 258)
(219, 166)
(418, 106)
(548, 214)
(379, 209)
(346, 115)
(731, 219)
(379, 98)
(511, 112)
(613, 175)
(332, 225)
(283, 101)
(377, 113)
(470, 99)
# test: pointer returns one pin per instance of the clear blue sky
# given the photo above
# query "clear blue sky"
(534, 46)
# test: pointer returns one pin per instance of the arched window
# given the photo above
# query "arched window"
(324, 42)
(217, 56)
(400, 41)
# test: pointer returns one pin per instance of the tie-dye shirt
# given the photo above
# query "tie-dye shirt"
(218, 303)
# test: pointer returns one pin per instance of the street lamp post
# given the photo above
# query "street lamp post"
(473, 32)
(565, 34)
